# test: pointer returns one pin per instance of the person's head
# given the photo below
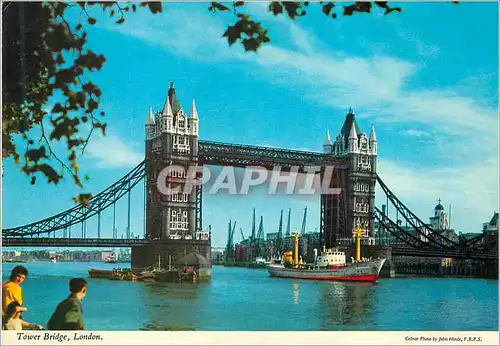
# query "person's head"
(18, 274)
(14, 310)
(78, 287)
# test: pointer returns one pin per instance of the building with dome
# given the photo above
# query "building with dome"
(440, 221)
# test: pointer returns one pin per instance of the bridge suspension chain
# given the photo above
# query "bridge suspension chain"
(81, 212)
(397, 231)
(415, 222)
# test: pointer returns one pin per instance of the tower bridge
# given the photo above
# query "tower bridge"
(174, 222)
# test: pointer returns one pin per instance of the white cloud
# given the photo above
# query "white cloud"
(416, 133)
(423, 49)
(188, 34)
(111, 152)
(378, 84)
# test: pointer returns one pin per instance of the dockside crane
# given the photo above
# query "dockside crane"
(288, 223)
(260, 245)
(252, 237)
(230, 244)
(252, 244)
(279, 239)
(260, 234)
(303, 229)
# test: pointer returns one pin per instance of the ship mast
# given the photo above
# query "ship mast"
(357, 234)
(296, 249)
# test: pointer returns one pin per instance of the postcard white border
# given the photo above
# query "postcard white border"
(249, 338)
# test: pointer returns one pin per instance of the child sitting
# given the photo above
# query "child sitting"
(12, 319)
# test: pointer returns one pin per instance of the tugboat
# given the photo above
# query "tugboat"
(330, 265)
(258, 262)
(113, 258)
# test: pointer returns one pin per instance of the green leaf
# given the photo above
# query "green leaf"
(276, 8)
(328, 8)
(155, 6)
(250, 44)
(50, 173)
(232, 33)
(35, 155)
(218, 6)
(83, 198)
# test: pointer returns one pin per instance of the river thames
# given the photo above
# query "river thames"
(239, 299)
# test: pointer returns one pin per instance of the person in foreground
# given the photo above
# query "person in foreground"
(12, 318)
(69, 314)
(11, 290)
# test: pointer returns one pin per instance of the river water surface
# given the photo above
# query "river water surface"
(240, 299)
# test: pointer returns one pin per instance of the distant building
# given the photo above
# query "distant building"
(440, 220)
(450, 234)
(107, 254)
(218, 255)
(492, 225)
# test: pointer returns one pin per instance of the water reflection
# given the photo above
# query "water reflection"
(347, 303)
(179, 291)
(295, 293)
(170, 306)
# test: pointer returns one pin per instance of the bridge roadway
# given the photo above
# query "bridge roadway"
(103, 242)
(412, 252)
(90, 242)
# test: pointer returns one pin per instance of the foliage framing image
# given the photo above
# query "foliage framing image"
(45, 58)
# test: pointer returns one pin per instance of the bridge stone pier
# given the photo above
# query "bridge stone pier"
(163, 253)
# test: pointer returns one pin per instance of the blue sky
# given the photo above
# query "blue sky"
(426, 78)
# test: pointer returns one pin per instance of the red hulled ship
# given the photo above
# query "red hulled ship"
(330, 265)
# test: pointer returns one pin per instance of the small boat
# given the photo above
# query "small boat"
(100, 274)
(153, 273)
(53, 260)
(129, 277)
(113, 258)
(116, 275)
(258, 262)
(330, 265)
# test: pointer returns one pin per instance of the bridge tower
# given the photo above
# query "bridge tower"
(171, 140)
(341, 213)
(172, 219)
